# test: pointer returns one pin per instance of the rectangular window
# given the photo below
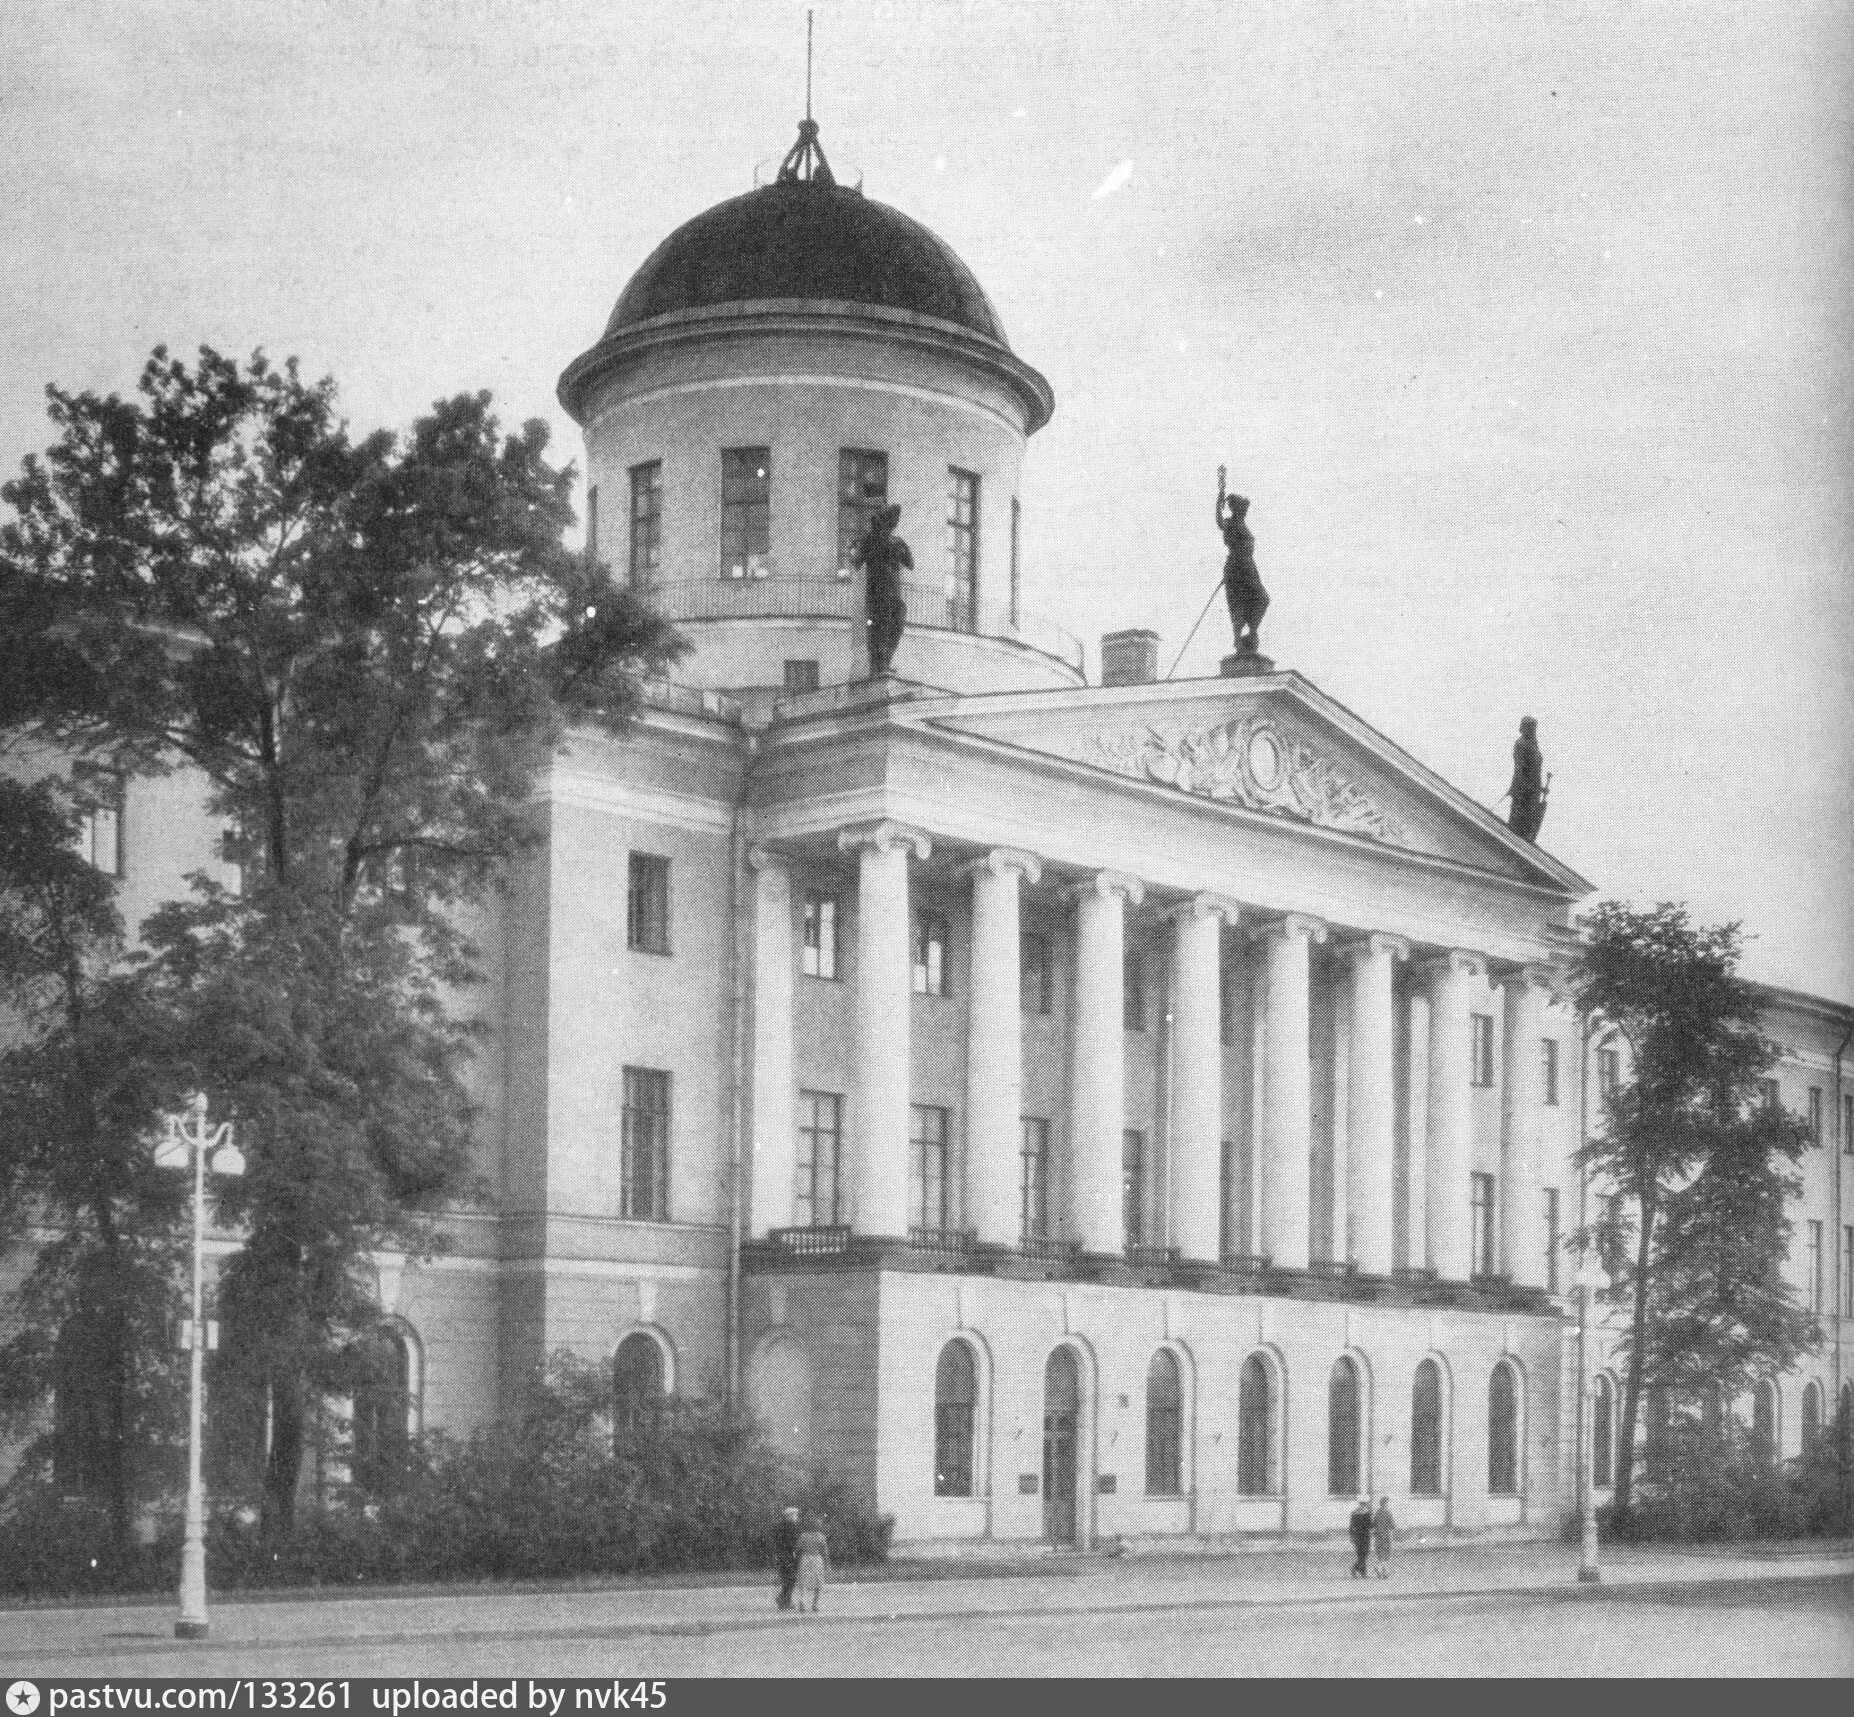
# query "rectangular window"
(1548, 1050)
(1226, 1198)
(1226, 994)
(820, 1151)
(746, 511)
(1847, 1123)
(644, 1170)
(820, 958)
(801, 675)
(647, 908)
(862, 492)
(1133, 990)
(1035, 1152)
(1609, 1072)
(592, 520)
(1133, 1185)
(1482, 1236)
(98, 841)
(1610, 1237)
(931, 977)
(1551, 1240)
(930, 1192)
(1815, 1114)
(1037, 979)
(1768, 1092)
(1815, 1266)
(646, 522)
(1017, 525)
(1847, 1272)
(1482, 1047)
(962, 546)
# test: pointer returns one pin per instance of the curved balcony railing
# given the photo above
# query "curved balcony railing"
(836, 599)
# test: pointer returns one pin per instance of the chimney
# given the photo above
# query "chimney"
(1129, 658)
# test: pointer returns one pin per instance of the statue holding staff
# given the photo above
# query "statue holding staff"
(1242, 584)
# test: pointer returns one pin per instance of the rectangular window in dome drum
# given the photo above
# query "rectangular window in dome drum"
(646, 522)
(746, 511)
(862, 492)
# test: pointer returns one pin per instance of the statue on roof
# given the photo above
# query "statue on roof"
(1531, 785)
(1242, 584)
(881, 554)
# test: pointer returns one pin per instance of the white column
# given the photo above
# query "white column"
(879, 1079)
(1197, 1079)
(994, 1047)
(1371, 1102)
(1449, 1154)
(1287, 1092)
(1522, 1229)
(1097, 1083)
(774, 1137)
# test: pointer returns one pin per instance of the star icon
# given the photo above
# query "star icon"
(22, 1699)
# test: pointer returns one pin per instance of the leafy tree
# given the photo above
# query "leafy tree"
(368, 649)
(1698, 1235)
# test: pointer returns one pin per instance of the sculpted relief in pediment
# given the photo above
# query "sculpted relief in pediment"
(1253, 762)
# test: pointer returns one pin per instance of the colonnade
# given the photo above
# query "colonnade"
(877, 1131)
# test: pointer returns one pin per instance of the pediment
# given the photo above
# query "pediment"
(1276, 746)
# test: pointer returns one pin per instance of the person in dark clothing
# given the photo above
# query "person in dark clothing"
(1529, 787)
(1360, 1527)
(1383, 1529)
(785, 1551)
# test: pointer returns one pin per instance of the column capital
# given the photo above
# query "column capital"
(764, 858)
(1206, 906)
(1292, 924)
(1105, 884)
(1532, 977)
(1375, 943)
(1454, 962)
(1003, 859)
(884, 837)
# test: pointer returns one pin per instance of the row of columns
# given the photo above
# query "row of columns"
(877, 1133)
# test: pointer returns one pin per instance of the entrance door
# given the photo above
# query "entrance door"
(1061, 1405)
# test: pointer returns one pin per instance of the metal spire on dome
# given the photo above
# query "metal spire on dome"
(804, 162)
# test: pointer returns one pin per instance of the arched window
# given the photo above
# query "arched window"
(955, 1388)
(1503, 1431)
(1164, 1426)
(1764, 1423)
(1603, 1433)
(1811, 1417)
(1426, 1430)
(84, 1448)
(382, 1411)
(1342, 1428)
(637, 1384)
(1255, 1411)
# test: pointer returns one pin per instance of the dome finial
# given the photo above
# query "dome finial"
(805, 162)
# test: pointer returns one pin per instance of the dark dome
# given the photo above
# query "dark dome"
(806, 239)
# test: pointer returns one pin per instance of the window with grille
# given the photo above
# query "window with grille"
(1133, 990)
(647, 906)
(1164, 1426)
(746, 511)
(1503, 1431)
(816, 1192)
(1342, 1429)
(955, 1392)
(931, 976)
(1133, 1185)
(1481, 1026)
(930, 1191)
(1548, 1072)
(1552, 1242)
(1035, 1178)
(820, 953)
(644, 1171)
(801, 674)
(1482, 1236)
(862, 492)
(1036, 973)
(1426, 1430)
(962, 546)
(646, 522)
(98, 840)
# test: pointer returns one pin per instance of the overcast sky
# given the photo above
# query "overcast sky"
(1526, 328)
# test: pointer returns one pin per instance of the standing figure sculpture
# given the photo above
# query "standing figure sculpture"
(1242, 584)
(881, 554)
(1531, 785)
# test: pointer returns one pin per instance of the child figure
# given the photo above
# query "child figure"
(813, 1559)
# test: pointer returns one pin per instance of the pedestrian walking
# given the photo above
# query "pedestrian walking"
(1383, 1526)
(785, 1555)
(813, 1559)
(1360, 1526)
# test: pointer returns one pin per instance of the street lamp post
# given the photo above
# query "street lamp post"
(185, 1143)
(1588, 1573)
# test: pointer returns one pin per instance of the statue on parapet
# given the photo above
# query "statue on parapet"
(1531, 785)
(882, 555)
(1242, 584)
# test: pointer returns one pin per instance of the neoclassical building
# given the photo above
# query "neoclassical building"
(1066, 1110)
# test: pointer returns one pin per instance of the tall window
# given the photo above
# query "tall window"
(592, 520)
(1133, 1185)
(382, 1403)
(1133, 989)
(820, 956)
(1164, 1426)
(646, 522)
(1226, 993)
(98, 841)
(1610, 1236)
(1769, 1093)
(1603, 1431)
(1481, 1239)
(930, 1189)
(1609, 1072)
(931, 977)
(647, 912)
(1551, 1240)
(1036, 973)
(862, 492)
(1764, 1423)
(1503, 1431)
(1035, 1182)
(637, 1384)
(1811, 1417)
(962, 540)
(1815, 1266)
(1226, 1198)
(815, 1195)
(644, 1168)
(1482, 1048)
(1342, 1429)
(1426, 1430)
(1255, 1425)
(955, 1389)
(746, 511)
(1017, 522)
(1815, 1113)
(1548, 1051)
(1847, 1272)
(1847, 1122)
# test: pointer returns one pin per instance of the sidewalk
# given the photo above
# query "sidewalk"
(60, 1641)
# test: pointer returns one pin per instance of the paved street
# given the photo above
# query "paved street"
(1512, 1610)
